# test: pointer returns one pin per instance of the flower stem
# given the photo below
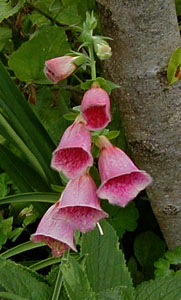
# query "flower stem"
(93, 63)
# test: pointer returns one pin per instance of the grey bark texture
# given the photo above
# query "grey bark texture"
(145, 34)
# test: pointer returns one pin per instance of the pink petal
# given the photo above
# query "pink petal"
(73, 154)
(80, 205)
(121, 179)
(59, 68)
(95, 108)
(55, 232)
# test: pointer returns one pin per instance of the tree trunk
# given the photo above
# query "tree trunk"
(145, 34)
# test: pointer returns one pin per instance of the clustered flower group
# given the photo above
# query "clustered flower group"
(79, 207)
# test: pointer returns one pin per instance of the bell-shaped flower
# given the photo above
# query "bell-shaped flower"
(121, 180)
(73, 156)
(59, 68)
(80, 205)
(95, 108)
(57, 233)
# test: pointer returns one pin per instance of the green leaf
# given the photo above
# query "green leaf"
(31, 197)
(23, 282)
(174, 63)
(50, 107)
(148, 247)
(29, 60)
(7, 10)
(45, 263)
(75, 280)
(20, 249)
(25, 178)
(174, 257)
(105, 84)
(71, 116)
(178, 7)
(117, 293)
(26, 125)
(163, 264)
(69, 15)
(105, 264)
(11, 296)
(112, 134)
(4, 189)
(122, 219)
(8, 132)
(168, 288)
(5, 35)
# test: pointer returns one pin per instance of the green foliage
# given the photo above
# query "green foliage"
(4, 185)
(163, 264)
(5, 35)
(28, 61)
(168, 288)
(51, 107)
(117, 293)
(105, 265)
(33, 140)
(122, 219)
(105, 84)
(75, 280)
(173, 65)
(148, 248)
(23, 282)
(7, 9)
(5, 229)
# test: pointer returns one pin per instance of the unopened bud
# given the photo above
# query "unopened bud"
(102, 48)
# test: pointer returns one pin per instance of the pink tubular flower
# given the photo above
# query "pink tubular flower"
(59, 68)
(121, 179)
(80, 205)
(73, 156)
(95, 108)
(55, 232)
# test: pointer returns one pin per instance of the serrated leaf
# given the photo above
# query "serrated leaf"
(160, 289)
(174, 63)
(7, 10)
(174, 257)
(122, 219)
(23, 282)
(105, 264)
(117, 293)
(29, 60)
(163, 268)
(148, 247)
(5, 35)
(75, 280)
(105, 84)
(163, 264)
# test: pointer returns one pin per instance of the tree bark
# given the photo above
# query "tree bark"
(145, 34)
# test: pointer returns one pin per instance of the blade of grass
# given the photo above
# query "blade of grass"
(31, 197)
(11, 296)
(45, 263)
(26, 125)
(20, 249)
(8, 132)
(21, 174)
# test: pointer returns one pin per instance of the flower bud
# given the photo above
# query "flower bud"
(59, 68)
(102, 48)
